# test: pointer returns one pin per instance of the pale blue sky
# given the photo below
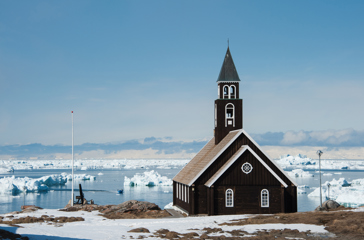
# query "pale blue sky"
(136, 69)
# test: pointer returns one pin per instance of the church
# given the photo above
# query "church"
(231, 174)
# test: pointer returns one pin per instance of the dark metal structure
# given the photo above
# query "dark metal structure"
(232, 174)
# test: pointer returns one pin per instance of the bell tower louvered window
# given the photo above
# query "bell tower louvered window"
(229, 115)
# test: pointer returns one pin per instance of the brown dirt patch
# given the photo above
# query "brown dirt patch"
(136, 214)
(139, 230)
(43, 218)
(344, 224)
(126, 210)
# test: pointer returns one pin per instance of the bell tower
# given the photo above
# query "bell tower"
(228, 105)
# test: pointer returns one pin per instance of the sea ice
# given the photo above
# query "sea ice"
(303, 162)
(349, 194)
(13, 185)
(150, 178)
(299, 173)
(82, 164)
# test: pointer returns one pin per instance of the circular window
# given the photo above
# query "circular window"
(246, 168)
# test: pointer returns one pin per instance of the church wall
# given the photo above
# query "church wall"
(247, 200)
(182, 196)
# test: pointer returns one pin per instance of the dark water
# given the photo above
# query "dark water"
(104, 189)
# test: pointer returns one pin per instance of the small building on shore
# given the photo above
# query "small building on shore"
(232, 174)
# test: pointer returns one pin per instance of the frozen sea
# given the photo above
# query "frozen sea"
(103, 190)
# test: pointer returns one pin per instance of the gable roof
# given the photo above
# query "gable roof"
(235, 157)
(228, 71)
(274, 162)
(208, 154)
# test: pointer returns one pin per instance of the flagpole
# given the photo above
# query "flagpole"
(72, 166)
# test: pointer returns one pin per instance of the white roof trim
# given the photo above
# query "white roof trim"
(228, 81)
(216, 156)
(279, 167)
(240, 152)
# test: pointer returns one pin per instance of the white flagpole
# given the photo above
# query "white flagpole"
(72, 165)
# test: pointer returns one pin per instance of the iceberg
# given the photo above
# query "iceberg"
(349, 194)
(302, 189)
(150, 178)
(303, 162)
(299, 173)
(13, 185)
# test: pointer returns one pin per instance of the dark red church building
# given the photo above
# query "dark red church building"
(232, 174)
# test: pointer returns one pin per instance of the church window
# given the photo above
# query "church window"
(229, 198)
(247, 168)
(265, 198)
(226, 91)
(229, 113)
(232, 92)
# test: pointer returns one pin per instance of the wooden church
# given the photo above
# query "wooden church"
(232, 174)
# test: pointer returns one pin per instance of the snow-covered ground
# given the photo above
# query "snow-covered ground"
(6, 165)
(13, 185)
(150, 178)
(98, 227)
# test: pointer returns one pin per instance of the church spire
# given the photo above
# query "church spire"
(228, 105)
(228, 71)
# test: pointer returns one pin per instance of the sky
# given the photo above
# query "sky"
(132, 70)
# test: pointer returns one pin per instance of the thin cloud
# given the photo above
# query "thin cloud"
(329, 138)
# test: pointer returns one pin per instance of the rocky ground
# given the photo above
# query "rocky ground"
(346, 225)
(341, 223)
(128, 209)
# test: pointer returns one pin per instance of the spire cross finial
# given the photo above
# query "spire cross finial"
(228, 42)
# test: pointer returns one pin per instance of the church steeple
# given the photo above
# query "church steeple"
(228, 71)
(228, 105)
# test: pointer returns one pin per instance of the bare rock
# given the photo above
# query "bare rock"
(327, 205)
(139, 230)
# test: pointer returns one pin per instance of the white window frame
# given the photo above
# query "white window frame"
(264, 198)
(229, 118)
(229, 190)
(232, 86)
(228, 92)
